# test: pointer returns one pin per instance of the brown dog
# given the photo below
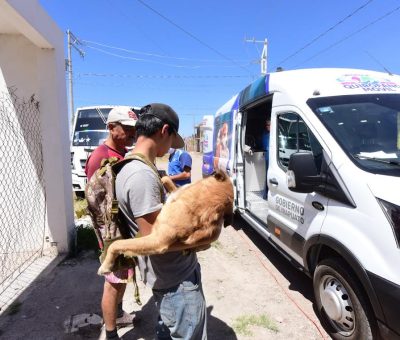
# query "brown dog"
(191, 218)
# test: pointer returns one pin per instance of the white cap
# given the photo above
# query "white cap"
(122, 114)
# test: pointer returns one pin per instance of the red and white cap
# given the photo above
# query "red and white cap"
(123, 115)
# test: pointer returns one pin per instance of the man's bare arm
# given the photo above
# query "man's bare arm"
(185, 174)
(145, 222)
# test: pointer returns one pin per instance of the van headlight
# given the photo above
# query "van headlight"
(392, 213)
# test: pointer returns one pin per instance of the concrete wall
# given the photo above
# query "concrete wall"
(32, 61)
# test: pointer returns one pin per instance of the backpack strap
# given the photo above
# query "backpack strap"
(142, 158)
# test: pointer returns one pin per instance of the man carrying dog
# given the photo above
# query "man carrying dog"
(174, 277)
(121, 123)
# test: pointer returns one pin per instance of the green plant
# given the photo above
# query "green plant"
(217, 245)
(80, 207)
(14, 308)
(242, 323)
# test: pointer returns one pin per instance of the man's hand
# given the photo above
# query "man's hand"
(168, 184)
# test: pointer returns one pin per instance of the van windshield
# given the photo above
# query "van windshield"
(90, 127)
(367, 127)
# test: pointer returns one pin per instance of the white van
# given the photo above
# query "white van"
(88, 132)
(333, 176)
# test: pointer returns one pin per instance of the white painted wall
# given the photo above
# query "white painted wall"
(32, 61)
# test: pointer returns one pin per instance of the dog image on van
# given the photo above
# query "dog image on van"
(192, 218)
(222, 149)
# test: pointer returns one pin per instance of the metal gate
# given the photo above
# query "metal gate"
(22, 194)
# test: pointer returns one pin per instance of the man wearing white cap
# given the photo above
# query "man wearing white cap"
(121, 123)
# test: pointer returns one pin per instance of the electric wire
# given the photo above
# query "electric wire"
(194, 37)
(325, 32)
(140, 59)
(154, 54)
(158, 76)
(143, 32)
(378, 62)
(155, 61)
(349, 36)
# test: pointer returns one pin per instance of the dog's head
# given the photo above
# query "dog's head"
(227, 188)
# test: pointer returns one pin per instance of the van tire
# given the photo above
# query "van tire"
(341, 303)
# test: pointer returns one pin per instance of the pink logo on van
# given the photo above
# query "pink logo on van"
(367, 83)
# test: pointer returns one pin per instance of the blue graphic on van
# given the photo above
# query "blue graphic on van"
(208, 164)
(255, 90)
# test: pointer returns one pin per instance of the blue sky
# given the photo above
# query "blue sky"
(193, 56)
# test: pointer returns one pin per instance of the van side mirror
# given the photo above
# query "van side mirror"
(302, 175)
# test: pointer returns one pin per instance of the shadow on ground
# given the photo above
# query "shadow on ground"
(73, 288)
(216, 328)
(69, 289)
(298, 281)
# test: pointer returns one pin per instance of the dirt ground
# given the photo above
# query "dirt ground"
(252, 292)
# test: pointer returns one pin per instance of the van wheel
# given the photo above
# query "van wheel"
(340, 302)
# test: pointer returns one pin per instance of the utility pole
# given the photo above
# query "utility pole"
(264, 53)
(72, 42)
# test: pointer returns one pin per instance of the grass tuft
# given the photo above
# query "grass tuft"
(217, 245)
(243, 323)
(14, 308)
(80, 207)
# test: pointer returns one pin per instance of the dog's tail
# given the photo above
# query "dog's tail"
(220, 175)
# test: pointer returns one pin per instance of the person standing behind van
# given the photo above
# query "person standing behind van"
(179, 166)
(265, 147)
(121, 123)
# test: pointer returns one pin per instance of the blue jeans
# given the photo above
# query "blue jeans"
(182, 310)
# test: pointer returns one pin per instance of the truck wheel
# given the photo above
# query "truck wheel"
(340, 302)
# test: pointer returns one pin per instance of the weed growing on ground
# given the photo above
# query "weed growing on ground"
(217, 245)
(14, 308)
(80, 207)
(242, 324)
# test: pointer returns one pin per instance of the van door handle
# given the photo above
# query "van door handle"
(273, 181)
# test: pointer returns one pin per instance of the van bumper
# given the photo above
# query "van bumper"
(388, 294)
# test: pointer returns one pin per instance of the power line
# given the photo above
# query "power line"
(378, 62)
(193, 36)
(350, 35)
(139, 59)
(158, 76)
(154, 54)
(325, 32)
(155, 61)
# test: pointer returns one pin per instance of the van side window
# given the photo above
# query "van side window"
(295, 136)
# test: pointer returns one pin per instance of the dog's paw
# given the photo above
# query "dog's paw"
(103, 270)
